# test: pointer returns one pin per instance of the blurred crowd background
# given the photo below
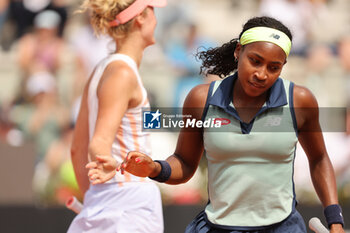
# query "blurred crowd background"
(48, 51)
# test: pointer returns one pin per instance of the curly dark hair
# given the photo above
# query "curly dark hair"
(220, 60)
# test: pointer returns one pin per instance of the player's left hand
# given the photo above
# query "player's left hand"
(102, 170)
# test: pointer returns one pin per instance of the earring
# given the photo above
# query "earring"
(236, 59)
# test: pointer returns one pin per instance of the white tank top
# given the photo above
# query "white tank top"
(129, 136)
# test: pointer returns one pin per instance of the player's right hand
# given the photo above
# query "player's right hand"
(138, 164)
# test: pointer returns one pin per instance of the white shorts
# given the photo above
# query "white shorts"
(134, 207)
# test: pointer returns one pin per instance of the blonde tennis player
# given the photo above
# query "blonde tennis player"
(109, 125)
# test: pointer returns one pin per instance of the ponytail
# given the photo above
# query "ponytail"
(220, 60)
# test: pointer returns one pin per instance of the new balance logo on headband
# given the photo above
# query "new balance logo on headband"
(275, 36)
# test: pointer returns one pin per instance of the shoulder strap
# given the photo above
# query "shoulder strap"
(212, 88)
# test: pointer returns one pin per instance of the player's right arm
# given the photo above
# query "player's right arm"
(189, 149)
(79, 148)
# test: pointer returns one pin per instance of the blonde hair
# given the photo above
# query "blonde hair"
(105, 11)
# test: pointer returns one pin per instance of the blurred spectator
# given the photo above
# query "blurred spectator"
(323, 77)
(18, 17)
(40, 51)
(23, 12)
(42, 118)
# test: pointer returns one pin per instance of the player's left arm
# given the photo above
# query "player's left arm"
(311, 139)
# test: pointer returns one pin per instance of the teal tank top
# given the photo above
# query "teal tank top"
(250, 165)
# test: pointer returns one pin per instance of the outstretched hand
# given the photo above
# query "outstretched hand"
(138, 164)
(102, 170)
